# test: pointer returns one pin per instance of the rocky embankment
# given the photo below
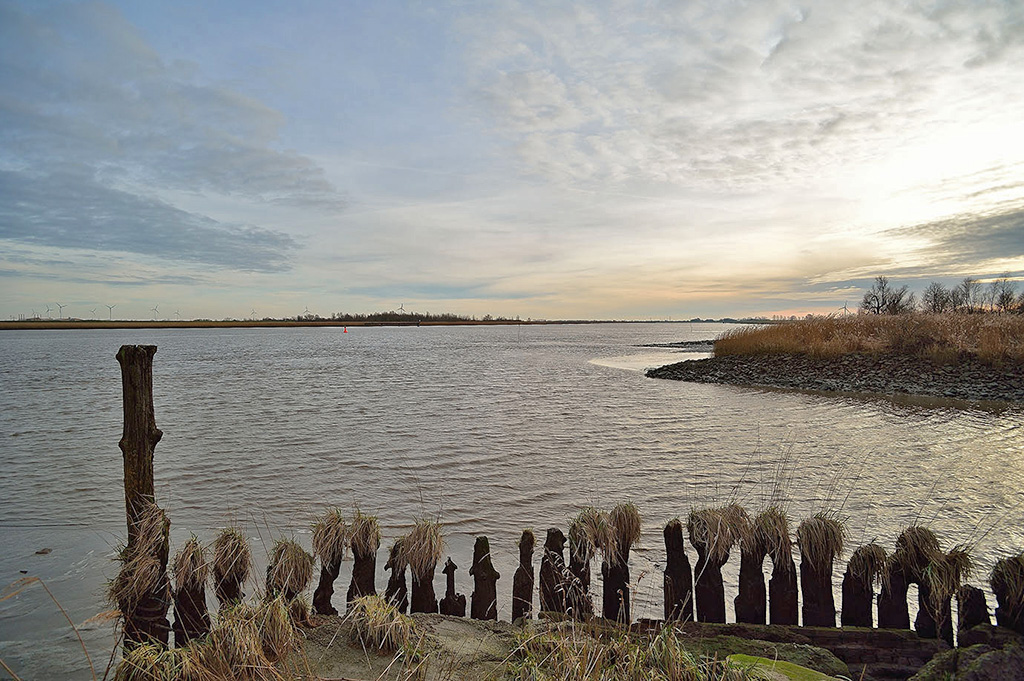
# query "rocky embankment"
(967, 379)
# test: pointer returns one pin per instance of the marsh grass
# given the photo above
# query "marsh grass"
(378, 625)
(942, 338)
(626, 526)
(1007, 577)
(589, 531)
(575, 653)
(916, 547)
(946, 572)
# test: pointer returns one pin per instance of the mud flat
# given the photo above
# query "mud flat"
(966, 379)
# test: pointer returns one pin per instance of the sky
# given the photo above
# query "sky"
(594, 160)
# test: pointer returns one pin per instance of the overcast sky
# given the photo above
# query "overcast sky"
(548, 160)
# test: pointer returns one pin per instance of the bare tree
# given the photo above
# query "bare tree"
(882, 298)
(936, 298)
(1003, 294)
(967, 295)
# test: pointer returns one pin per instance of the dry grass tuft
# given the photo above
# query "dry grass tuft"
(378, 624)
(421, 549)
(947, 572)
(821, 537)
(938, 337)
(274, 625)
(868, 563)
(365, 533)
(773, 526)
(625, 520)
(716, 529)
(1008, 578)
(234, 648)
(589, 531)
(571, 653)
(916, 547)
(190, 566)
(232, 558)
(142, 561)
(330, 536)
(290, 569)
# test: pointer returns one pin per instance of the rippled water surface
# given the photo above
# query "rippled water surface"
(493, 429)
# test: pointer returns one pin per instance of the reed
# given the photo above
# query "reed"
(939, 337)
(1007, 580)
(946, 573)
(330, 536)
(274, 625)
(572, 653)
(916, 547)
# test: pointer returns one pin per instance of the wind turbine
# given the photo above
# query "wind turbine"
(156, 310)
(306, 311)
(93, 312)
(252, 314)
(48, 311)
(60, 314)
(110, 310)
(401, 308)
(34, 315)
(177, 313)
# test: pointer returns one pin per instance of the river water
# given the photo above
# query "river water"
(490, 429)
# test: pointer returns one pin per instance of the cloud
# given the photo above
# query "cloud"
(66, 210)
(88, 108)
(977, 241)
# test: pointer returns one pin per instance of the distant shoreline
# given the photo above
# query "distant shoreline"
(30, 325)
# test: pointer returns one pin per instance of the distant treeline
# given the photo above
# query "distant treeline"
(401, 316)
(970, 295)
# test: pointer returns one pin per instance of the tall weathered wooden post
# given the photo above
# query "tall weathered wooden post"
(143, 603)
(140, 434)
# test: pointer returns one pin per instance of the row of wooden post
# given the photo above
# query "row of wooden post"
(688, 594)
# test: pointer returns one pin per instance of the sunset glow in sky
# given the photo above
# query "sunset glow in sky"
(611, 159)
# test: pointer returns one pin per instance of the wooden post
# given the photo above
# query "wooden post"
(140, 434)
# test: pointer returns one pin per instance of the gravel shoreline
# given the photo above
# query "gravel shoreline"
(968, 379)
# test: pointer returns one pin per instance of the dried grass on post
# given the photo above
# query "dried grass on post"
(946, 573)
(773, 527)
(290, 569)
(717, 530)
(232, 562)
(626, 526)
(589, 531)
(143, 561)
(421, 549)
(190, 566)
(364, 533)
(821, 538)
(330, 537)
(1007, 579)
(916, 547)
(868, 564)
